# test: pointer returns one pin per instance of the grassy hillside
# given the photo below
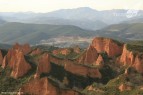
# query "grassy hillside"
(123, 31)
(33, 33)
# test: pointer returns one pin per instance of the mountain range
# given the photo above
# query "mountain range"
(29, 27)
(83, 17)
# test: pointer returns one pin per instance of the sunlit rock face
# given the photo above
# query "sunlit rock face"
(132, 59)
(82, 70)
(43, 65)
(63, 51)
(44, 86)
(100, 45)
(16, 61)
(7, 58)
(127, 57)
(99, 61)
(113, 48)
(138, 64)
(24, 48)
(19, 65)
(91, 55)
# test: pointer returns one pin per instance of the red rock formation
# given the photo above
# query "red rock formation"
(138, 64)
(43, 64)
(9, 59)
(108, 45)
(20, 67)
(124, 87)
(55, 52)
(82, 70)
(44, 87)
(65, 51)
(135, 60)
(36, 52)
(16, 61)
(59, 61)
(127, 57)
(24, 48)
(1, 58)
(77, 69)
(99, 60)
(91, 55)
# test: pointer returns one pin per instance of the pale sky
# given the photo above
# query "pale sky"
(51, 5)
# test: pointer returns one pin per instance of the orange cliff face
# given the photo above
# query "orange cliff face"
(91, 55)
(135, 60)
(43, 65)
(138, 64)
(15, 60)
(110, 46)
(99, 61)
(82, 70)
(24, 48)
(8, 59)
(127, 56)
(62, 51)
(44, 87)
(20, 66)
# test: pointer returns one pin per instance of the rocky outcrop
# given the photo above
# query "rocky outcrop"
(19, 65)
(138, 64)
(127, 57)
(36, 52)
(99, 61)
(91, 55)
(16, 61)
(1, 58)
(112, 47)
(132, 59)
(124, 87)
(8, 59)
(43, 86)
(43, 65)
(82, 70)
(24, 48)
(59, 61)
(63, 51)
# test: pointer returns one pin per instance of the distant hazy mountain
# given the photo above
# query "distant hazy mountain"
(83, 17)
(85, 24)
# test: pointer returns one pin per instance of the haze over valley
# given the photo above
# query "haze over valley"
(30, 27)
